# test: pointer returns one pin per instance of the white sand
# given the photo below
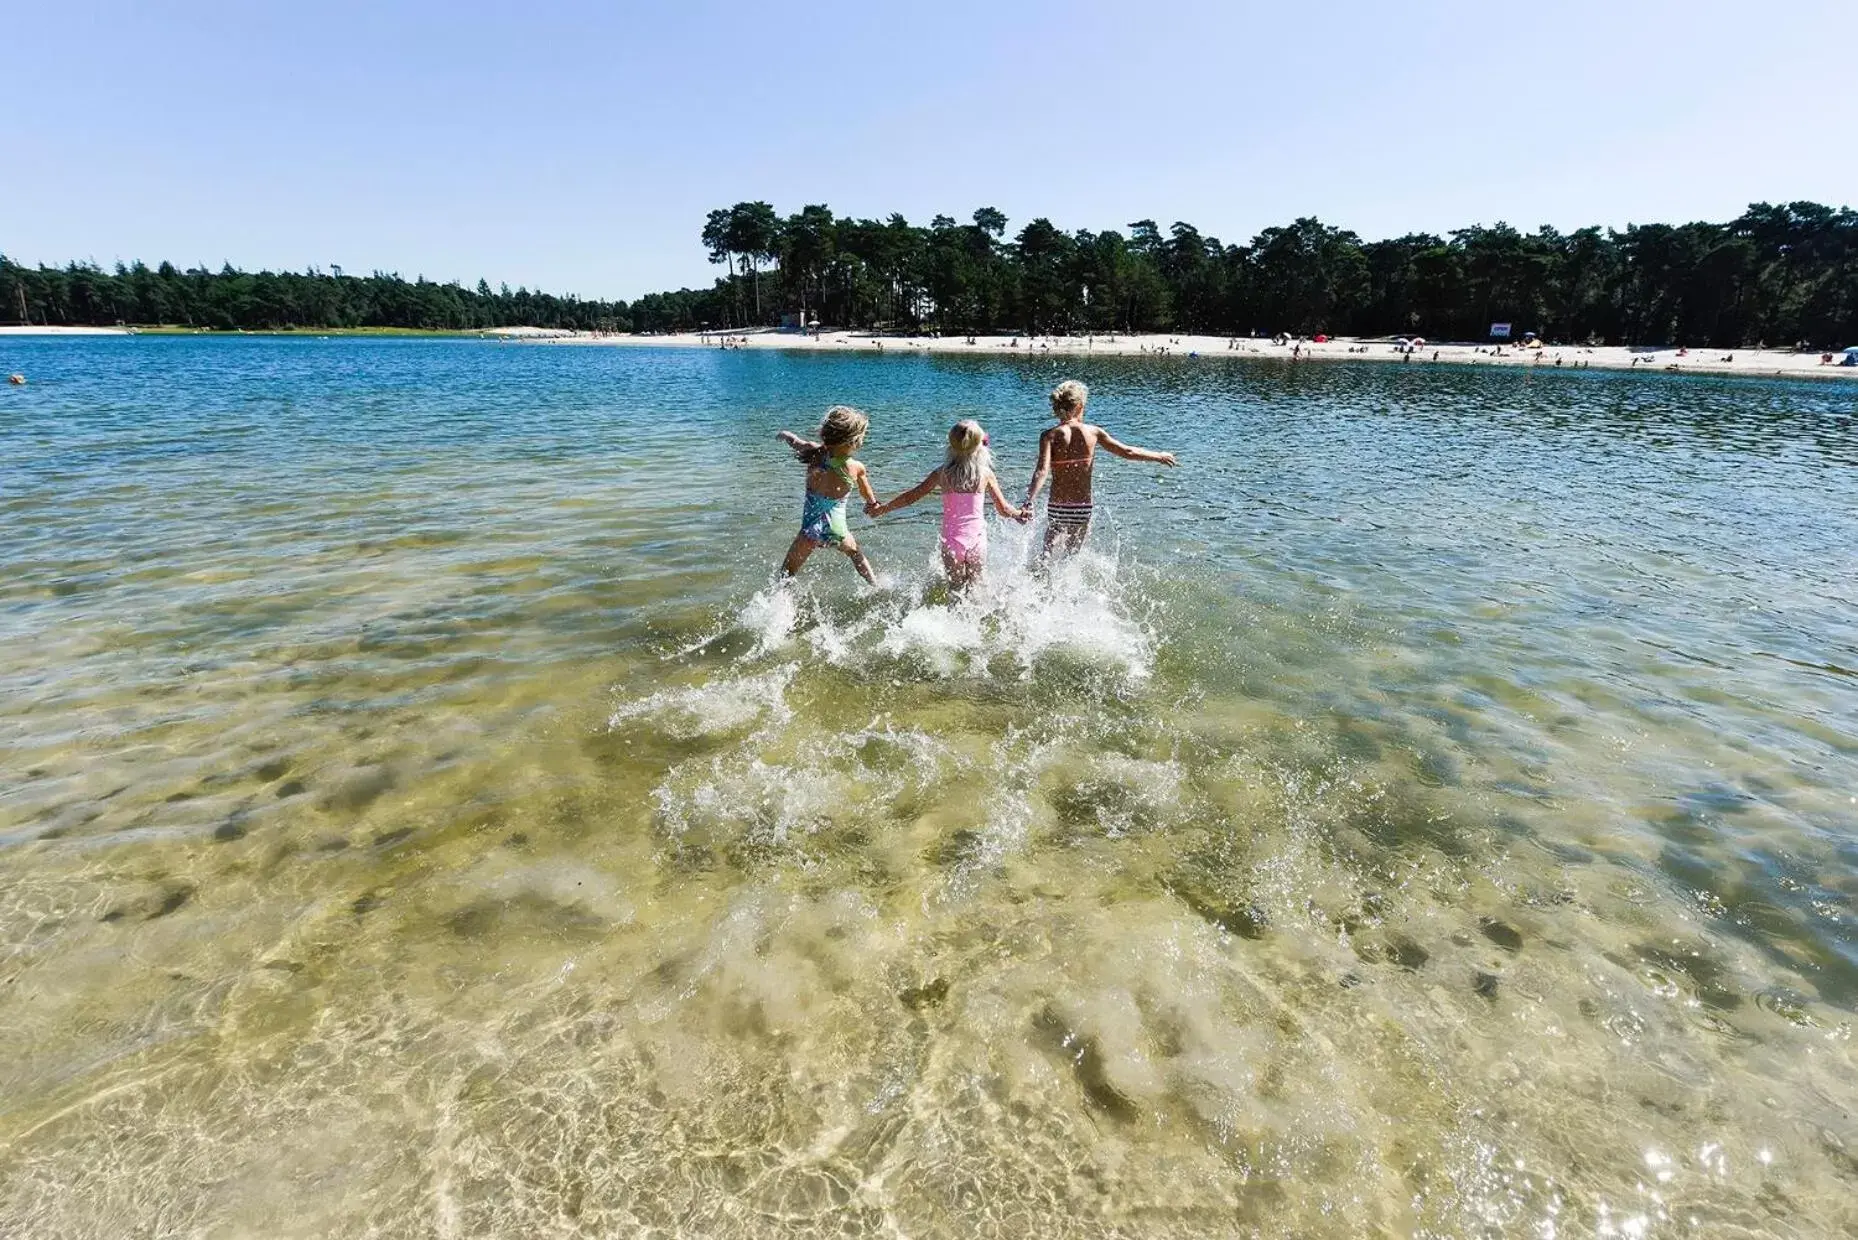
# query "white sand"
(530, 333)
(1767, 362)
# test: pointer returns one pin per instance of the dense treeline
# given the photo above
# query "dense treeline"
(1779, 274)
(1776, 274)
(83, 294)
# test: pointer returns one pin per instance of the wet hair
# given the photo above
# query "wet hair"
(968, 460)
(842, 426)
(1069, 397)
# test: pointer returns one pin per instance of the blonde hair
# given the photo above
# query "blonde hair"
(968, 460)
(842, 426)
(1069, 397)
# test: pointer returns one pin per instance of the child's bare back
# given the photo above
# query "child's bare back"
(1068, 456)
(1071, 450)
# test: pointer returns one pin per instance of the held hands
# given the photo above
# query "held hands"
(873, 509)
(1023, 515)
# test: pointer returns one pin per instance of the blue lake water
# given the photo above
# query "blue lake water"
(1429, 810)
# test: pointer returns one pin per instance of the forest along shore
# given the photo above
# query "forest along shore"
(1753, 362)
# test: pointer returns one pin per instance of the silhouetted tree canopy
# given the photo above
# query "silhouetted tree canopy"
(1775, 274)
(84, 294)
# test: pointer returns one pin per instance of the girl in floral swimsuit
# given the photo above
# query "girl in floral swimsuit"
(831, 474)
(964, 478)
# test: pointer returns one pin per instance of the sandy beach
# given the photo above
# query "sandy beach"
(1769, 363)
(1753, 362)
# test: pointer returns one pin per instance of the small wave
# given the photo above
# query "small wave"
(717, 707)
(749, 800)
(776, 787)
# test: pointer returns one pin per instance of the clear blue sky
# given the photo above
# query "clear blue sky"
(577, 147)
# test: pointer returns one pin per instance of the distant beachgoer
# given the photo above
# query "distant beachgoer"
(966, 478)
(17, 380)
(1067, 454)
(831, 473)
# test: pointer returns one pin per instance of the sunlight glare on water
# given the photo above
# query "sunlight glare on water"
(1428, 811)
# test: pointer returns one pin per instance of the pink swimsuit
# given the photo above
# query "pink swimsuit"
(964, 532)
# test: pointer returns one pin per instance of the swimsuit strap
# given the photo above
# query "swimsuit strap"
(837, 465)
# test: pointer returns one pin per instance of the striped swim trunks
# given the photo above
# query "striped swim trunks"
(1068, 516)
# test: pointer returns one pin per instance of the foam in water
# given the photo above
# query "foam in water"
(1079, 608)
(726, 704)
(779, 784)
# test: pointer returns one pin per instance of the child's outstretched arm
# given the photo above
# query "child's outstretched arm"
(1005, 509)
(1041, 470)
(802, 447)
(874, 509)
(1129, 453)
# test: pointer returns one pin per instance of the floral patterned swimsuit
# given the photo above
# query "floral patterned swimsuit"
(822, 519)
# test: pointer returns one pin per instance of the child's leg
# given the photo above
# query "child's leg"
(961, 573)
(850, 548)
(1060, 540)
(796, 556)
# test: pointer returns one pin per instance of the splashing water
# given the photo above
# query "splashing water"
(1075, 609)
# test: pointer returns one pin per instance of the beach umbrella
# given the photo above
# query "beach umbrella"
(1417, 342)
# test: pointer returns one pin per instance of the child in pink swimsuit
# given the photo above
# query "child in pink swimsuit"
(966, 478)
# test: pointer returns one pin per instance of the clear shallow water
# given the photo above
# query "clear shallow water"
(1428, 811)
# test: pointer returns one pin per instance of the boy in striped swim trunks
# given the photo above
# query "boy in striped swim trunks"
(1067, 452)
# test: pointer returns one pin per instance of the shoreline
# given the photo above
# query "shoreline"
(1750, 363)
